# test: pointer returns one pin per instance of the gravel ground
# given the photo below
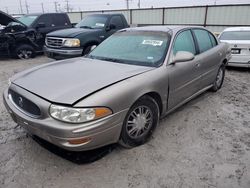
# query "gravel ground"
(205, 143)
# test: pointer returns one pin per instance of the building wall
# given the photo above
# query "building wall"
(215, 18)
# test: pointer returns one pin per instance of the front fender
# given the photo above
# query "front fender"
(124, 94)
(89, 38)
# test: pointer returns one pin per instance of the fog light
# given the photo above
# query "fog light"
(79, 141)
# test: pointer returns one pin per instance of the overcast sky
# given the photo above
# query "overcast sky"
(14, 7)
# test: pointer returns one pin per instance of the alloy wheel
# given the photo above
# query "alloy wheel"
(24, 54)
(139, 122)
(219, 77)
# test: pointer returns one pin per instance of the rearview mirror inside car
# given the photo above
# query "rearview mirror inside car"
(182, 56)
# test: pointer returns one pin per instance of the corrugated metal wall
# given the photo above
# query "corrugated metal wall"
(75, 17)
(215, 18)
(147, 16)
(185, 15)
(229, 15)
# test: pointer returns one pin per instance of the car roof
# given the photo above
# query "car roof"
(162, 28)
(106, 15)
(39, 14)
(237, 29)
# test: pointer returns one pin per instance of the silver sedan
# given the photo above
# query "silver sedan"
(238, 39)
(119, 91)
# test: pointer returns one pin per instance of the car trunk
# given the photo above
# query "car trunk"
(239, 47)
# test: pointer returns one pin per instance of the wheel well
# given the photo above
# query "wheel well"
(88, 44)
(157, 98)
(20, 43)
(91, 43)
(224, 61)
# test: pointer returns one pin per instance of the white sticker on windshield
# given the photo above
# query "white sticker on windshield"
(153, 42)
(99, 24)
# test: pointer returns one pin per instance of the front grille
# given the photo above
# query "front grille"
(24, 104)
(54, 42)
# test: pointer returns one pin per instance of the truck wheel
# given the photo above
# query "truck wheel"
(88, 49)
(140, 122)
(24, 51)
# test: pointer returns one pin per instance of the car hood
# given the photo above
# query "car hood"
(72, 32)
(5, 19)
(70, 80)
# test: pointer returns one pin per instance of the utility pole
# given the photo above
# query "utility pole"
(55, 5)
(59, 7)
(27, 7)
(139, 4)
(42, 7)
(67, 5)
(21, 7)
(127, 3)
(7, 11)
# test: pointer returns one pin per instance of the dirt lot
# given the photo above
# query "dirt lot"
(205, 143)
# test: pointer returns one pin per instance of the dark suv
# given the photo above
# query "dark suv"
(25, 36)
(86, 35)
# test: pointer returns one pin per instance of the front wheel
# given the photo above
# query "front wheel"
(219, 79)
(25, 51)
(140, 122)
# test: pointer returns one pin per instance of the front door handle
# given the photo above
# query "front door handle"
(197, 64)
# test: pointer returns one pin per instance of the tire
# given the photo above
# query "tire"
(219, 79)
(139, 123)
(25, 51)
(88, 49)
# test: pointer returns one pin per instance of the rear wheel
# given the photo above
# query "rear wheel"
(219, 79)
(25, 51)
(140, 122)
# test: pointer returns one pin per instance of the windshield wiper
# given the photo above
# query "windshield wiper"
(104, 58)
(111, 59)
(87, 27)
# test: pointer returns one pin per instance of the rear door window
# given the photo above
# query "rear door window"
(203, 39)
(117, 21)
(59, 20)
(184, 42)
(46, 19)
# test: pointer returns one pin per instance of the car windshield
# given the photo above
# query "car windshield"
(134, 47)
(92, 22)
(27, 19)
(235, 35)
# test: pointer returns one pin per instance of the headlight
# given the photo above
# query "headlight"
(78, 115)
(72, 43)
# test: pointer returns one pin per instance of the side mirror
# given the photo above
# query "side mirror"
(40, 25)
(182, 56)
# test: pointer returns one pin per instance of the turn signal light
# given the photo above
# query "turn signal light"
(79, 141)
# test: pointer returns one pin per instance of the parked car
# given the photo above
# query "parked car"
(239, 40)
(84, 37)
(24, 37)
(119, 91)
